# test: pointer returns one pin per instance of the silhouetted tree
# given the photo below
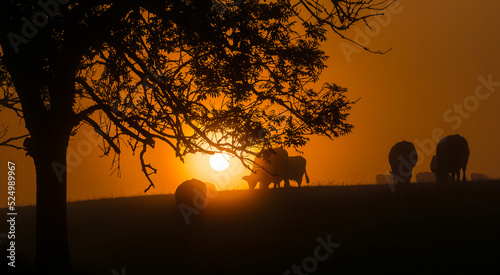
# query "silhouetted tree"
(199, 76)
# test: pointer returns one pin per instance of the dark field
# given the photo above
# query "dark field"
(418, 229)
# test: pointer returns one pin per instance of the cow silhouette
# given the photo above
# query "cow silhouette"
(452, 155)
(284, 168)
(402, 158)
(384, 179)
(271, 170)
(425, 177)
(478, 177)
(192, 197)
(192, 193)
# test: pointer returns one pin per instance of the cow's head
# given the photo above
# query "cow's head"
(252, 181)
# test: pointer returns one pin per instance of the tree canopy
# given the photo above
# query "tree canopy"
(201, 76)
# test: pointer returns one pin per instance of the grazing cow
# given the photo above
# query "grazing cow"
(297, 169)
(402, 159)
(452, 154)
(289, 168)
(425, 177)
(192, 193)
(478, 177)
(192, 197)
(383, 179)
(273, 170)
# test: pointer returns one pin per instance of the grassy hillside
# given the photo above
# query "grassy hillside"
(422, 228)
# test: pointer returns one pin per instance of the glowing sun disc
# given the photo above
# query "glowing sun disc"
(219, 161)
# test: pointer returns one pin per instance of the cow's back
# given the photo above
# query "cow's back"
(402, 150)
(452, 152)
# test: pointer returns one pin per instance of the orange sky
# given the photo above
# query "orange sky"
(440, 49)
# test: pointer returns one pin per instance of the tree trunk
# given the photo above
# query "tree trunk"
(49, 154)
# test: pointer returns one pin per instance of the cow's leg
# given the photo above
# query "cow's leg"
(456, 175)
(464, 179)
(287, 182)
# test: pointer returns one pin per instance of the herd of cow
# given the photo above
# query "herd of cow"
(452, 155)
(275, 166)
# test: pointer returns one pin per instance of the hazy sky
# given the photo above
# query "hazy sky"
(441, 77)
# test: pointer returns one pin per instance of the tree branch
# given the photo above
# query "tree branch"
(145, 168)
(7, 141)
(98, 130)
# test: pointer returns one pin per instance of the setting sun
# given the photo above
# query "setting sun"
(219, 161)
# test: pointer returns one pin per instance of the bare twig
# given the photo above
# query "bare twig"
(7, 141)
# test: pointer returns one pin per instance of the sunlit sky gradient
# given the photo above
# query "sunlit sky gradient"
(439, 50)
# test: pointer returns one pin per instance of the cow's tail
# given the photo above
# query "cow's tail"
(307, 177)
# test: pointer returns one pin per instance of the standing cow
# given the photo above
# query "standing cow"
(297, 169)
(452, 154)
(272, 170)
(402, 159)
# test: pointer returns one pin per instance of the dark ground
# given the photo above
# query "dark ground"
(418, 229)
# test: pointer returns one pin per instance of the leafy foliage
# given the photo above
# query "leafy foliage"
(187, 73)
